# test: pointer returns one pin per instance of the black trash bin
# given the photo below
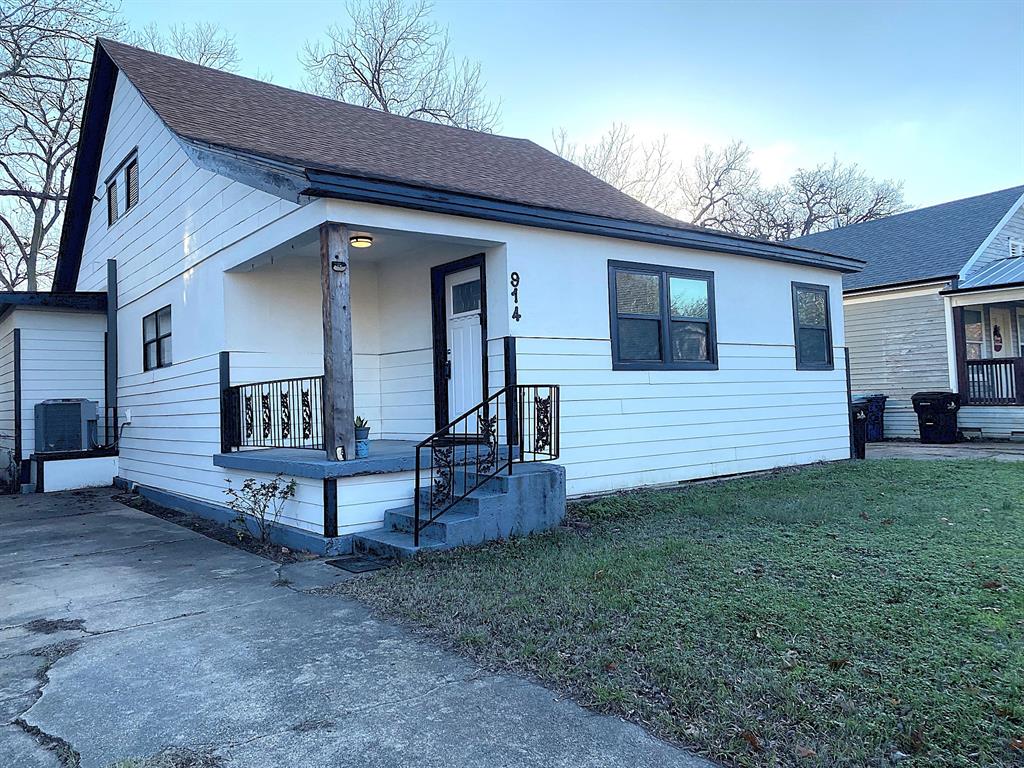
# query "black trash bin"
(876, 417)
(859, 425)
(936, 416)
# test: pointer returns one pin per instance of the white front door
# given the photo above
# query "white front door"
(1000, 332)
(465, 381)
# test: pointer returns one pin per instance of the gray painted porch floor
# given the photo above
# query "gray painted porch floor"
(385, 456)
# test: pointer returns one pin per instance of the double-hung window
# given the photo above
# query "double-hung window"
(156, 339)
(812, 327)
(661, 317)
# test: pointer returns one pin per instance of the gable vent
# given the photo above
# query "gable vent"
(1016, 249)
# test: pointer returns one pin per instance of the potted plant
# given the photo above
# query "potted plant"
(362, 437)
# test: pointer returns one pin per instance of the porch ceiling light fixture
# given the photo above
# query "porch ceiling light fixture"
(360, 241)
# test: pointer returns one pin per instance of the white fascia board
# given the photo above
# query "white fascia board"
(965, 270)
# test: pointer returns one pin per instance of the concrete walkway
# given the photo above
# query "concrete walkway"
(1001, 451)
(126, 636)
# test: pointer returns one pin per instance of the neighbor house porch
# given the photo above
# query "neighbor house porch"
(988, 335)
(391, 328)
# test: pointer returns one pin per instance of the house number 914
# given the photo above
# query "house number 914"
(514, 282)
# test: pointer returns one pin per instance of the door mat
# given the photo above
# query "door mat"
(357, 564)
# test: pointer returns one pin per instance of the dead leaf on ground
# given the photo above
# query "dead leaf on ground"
(805, 752)
(836, 664)
(1017, 744)
(992, 584)
(752, 740)
(888, 521)
(790, 659)
(864, 515)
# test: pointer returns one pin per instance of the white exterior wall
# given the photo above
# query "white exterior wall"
(61, 356)
(6, 389)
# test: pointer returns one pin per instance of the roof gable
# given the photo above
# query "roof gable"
(341, 150)
(929, 243)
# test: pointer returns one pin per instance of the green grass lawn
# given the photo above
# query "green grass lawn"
(851, 614)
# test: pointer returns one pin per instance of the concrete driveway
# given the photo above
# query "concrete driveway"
(125, 636)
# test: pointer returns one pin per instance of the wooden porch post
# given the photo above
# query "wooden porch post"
(960, 348)
(335, 280)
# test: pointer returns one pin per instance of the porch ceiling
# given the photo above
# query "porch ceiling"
(387, 244)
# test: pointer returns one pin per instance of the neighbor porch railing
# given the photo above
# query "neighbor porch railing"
(994, 382)
(285, 413)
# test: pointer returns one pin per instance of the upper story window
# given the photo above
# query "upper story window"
(661, 317)
(123, 188)
(156, 339)
(812, 327)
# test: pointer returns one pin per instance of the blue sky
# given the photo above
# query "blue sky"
(928, 92)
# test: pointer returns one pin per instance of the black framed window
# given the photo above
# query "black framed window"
(156, 339)
(131, 184)
(812, 327)
(661, 317)
(111, 202)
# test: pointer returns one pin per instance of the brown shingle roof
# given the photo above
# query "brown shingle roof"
(252, 116)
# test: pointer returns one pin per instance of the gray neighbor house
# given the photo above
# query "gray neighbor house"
(939, 307)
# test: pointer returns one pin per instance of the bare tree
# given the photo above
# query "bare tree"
(392, 57)
(836, 195)
(201, 43)
(46, 47)
(713, 190)
(642, 170)
(37, 35)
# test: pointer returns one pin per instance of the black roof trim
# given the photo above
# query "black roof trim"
(897, 286)
(981, 288)
(95, 115)
(328, 184)
(88, 301)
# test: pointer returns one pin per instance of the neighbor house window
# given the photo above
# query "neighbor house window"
(156, 339)
(661, 317)
(812, 327)
(974, 334)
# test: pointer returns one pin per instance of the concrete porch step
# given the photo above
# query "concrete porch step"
(530, 500)
(396, 545)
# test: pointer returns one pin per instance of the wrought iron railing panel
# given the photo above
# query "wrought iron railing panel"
(286, 413)
(995, 382)
(516, 424)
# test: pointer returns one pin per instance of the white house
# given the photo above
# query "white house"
(939, 306)
(277, 263)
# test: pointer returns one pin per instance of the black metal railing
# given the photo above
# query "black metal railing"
(286, 413)
(517, 424)
(995, 382)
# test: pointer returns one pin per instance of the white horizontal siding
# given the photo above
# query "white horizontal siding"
(623, 429)
(184, 213)
(61, 357)
(407, 394)
(175, 431)
(7, 387)
(994, 421)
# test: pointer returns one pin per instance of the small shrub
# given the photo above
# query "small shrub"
(260, 503)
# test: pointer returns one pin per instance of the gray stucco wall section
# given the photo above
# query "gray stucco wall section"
(999, 248)
(897, 347)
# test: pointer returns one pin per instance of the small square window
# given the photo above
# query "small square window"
(156, 339)
(812, 327)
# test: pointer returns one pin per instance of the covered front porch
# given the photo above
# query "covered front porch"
(388, 330)
(988, 334)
